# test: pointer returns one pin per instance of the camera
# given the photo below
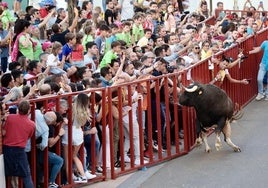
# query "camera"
(170, 69)
(243, 57)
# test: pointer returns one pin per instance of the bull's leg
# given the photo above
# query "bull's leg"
(227, 137)
(204, 137)
(218, 141)
(199, 139)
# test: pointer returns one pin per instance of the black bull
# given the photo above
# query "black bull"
(213, 108)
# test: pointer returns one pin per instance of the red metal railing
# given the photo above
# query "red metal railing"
(183, 118)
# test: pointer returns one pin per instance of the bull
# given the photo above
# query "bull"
(213, 109)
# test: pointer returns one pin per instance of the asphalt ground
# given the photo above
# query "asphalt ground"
(217, 169)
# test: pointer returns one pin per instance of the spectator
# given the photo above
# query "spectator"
(144, 41)
(109, 12)
(92, 52)
(81, 115)
(224, 65)
(170, 23)
(77, 55)
(35, 32)
(111, 54)
(34, 68)
(101, 39)
(53, 63)
(65, 56)
(88, 31)
(18, 77)
(55, 161)
(6, 16)
(7, 82)
(14, 142)
(206, 51)
(262, 69)
(219, 13)
(23, 45)
(3, 48)
(59, 35)
(106, 76)
(137, 28)
(87, 6)
(125, 34)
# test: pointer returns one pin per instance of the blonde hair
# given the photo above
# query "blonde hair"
(81, 112)
(55, 46)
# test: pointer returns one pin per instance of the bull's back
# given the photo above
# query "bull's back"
(215, 105)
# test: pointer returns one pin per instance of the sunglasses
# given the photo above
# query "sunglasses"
(197, 48)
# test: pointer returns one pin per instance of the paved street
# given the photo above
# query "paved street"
(223, 169)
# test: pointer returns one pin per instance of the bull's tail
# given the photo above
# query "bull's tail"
(238, 113)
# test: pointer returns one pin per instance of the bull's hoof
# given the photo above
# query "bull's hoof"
(207, 150)
(198, 142)
(218, 146)
(237, 149)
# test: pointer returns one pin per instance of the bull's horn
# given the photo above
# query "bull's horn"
(193, 89)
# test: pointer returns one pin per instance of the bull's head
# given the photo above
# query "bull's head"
(190, 94)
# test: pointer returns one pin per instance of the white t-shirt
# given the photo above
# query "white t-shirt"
(52, 60)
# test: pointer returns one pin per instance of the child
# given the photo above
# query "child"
(111, 54)
(53, 61)
(125, 34)
(137, 29)
(87, 36)
(65, 56)
(78, 52)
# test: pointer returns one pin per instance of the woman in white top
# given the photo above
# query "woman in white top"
(81, 114)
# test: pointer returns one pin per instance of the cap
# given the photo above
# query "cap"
(4, 4)
(46, 2)
(46, 45)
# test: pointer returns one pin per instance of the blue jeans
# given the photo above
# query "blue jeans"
(261, 73)
(16, 164)
(87, 145)
(55, 163)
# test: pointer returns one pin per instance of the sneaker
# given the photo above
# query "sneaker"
(80, 179)
(259, 96)
(138, 161)
(127, 159)
(99, 170)
(53, 185)
(155, 146)
(89, 176)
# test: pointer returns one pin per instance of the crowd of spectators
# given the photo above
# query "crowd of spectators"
(43, 55)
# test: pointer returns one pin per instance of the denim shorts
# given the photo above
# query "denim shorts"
(16, 162)
(66, 66)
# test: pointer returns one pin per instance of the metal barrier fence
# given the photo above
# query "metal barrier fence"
(163, 117)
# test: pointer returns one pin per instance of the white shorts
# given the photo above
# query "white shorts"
(77, 134)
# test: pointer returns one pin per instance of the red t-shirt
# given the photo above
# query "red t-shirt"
(19, 128)
(78, 53)
(43, 12)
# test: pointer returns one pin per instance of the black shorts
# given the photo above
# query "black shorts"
(15, 161)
